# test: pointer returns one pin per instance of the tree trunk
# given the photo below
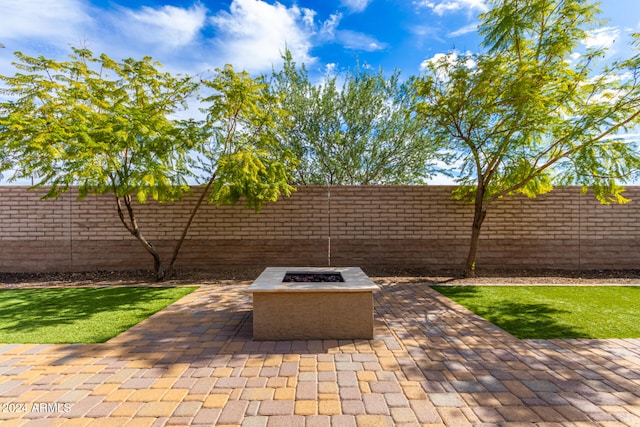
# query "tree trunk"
(157, 262)
(479, 215)
(132, 227)
(178, 246)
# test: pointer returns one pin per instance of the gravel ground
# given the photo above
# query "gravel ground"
(146, 278)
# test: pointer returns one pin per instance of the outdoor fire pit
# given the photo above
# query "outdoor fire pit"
(294, 303)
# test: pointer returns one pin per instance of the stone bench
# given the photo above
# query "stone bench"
(312, 310)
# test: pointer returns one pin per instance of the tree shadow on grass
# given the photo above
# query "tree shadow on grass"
(530, 321)
(28, 311)
(522, 320)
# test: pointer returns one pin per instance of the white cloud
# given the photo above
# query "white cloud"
(464, 30)
(330, 69)
(355, 6)
(602, 37)
(435, 59)
(54, 21)
(308, 17)
(446, 59)
(253, 34)
(359, 41)
(441, 179)
(328, 30)
(350, 39)
(49, 27)
(423, 33)
(450, 6)
(167, 26)
(424, 3)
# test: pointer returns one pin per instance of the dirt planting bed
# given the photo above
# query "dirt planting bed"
(494, 277)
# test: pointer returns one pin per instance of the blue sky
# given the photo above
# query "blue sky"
(196, 36)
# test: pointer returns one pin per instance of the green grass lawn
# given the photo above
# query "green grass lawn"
(546, 312)
(78, 315)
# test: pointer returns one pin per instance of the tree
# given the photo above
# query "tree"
(526, 115)
(364, 132)
(241, 156)
(102, 125)
(106, 126)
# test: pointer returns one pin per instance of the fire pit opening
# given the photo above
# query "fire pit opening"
(316, 277)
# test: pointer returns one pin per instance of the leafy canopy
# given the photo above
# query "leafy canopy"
(364, 131)
(97, 123)
(526, 114)
(243, 156)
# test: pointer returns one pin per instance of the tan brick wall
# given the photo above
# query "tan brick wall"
(371, 226)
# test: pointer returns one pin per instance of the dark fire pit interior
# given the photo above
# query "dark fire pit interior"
(294, 276)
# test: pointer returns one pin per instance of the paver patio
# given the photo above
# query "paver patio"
(431, 362)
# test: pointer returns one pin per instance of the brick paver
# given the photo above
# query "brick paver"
(431, 362)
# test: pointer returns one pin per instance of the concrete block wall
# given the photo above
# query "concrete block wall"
(366, 226)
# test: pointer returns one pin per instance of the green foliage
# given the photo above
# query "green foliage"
(78, 315)
(244, 157)
(364, 132)
(547, 312)
(97, 123)
(525, 114)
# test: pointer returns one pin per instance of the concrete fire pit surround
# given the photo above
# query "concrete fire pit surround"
(312, 310)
